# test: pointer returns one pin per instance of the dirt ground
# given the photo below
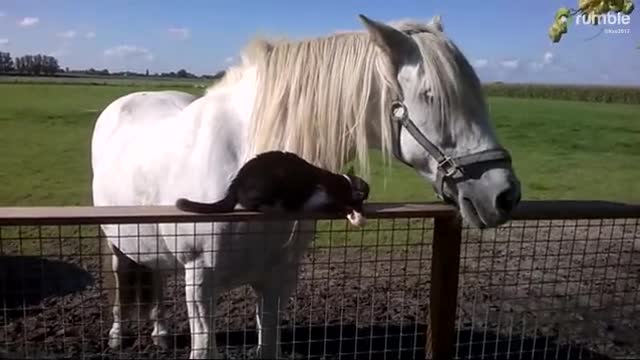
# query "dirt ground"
(527, 291)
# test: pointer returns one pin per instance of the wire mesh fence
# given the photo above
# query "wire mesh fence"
(548, 289)
(361, 293)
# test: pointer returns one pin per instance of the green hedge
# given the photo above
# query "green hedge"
(603, 94)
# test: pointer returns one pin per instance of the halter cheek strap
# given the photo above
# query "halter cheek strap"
(447, 167)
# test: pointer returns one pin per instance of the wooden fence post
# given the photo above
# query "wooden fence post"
(445, 268)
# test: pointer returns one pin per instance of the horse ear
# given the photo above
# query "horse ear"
(391, 41)
(436, 22)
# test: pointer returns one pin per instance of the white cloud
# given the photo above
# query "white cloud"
(58, 53)
(4, 42)
(69, 34)
(28, 21)
(129, 51)
(480, 63)
(547, 59)
(90, 35)
(229, 59)
(510, 64)
(179, 33)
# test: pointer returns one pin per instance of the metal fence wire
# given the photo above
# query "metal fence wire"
(531, 289)
(550, 289)
(360, 293)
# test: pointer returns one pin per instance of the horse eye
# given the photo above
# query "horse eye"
(428, 96)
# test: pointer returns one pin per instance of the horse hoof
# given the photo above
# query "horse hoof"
(114, 342)
(162, 341)
(260, 352)
(199, 354)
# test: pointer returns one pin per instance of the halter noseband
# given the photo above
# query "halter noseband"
(447, 166)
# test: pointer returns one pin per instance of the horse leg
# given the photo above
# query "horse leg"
(201, 305)
(124, 273)
(134, 287)
(160, 334)
(273, 296)
(115, 333)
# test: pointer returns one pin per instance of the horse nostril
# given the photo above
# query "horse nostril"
(508, 200)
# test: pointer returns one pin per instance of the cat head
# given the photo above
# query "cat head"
(359, 187)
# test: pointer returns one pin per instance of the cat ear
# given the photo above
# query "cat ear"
(350, 171)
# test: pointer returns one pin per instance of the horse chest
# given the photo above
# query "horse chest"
(244, 253)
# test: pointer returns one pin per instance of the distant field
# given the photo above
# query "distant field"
(561, 149)
(600, 94)
(104, 81)
(590, 93)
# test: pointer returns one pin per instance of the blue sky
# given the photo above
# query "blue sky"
(506, 41)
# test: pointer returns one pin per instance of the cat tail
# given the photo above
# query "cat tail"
(227, 204)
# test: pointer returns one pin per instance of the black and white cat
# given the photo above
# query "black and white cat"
(277, 179)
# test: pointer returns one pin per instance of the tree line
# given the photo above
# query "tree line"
(48, 65)
(29, 64)
(182, 73)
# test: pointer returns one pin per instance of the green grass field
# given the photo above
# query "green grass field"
(561, 149)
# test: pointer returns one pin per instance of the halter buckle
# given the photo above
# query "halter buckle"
(448, 166)
(399, 111)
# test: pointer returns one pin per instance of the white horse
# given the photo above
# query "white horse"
(403, 88)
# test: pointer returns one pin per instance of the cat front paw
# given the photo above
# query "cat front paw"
(356, 218)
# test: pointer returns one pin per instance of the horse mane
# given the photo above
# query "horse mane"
(314, 97)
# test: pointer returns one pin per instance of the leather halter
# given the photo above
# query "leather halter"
(447, 166)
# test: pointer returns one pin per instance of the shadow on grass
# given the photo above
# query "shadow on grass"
(28, 280)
